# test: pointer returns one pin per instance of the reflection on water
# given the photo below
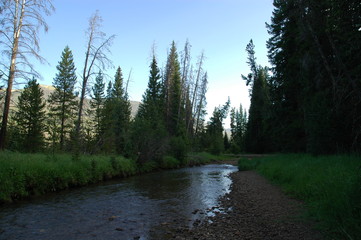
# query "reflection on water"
(141, 207)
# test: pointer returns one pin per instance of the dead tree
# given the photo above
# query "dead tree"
(98, 46)
(19, 39)
(199, 73)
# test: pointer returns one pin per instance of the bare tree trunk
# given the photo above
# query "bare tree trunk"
(93, 54)
(195, 91)
(202, 99)
(18, 23)
(127, 84)
(185, 70)
(13, 14)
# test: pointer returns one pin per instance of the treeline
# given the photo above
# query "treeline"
(170, 119)
(309, 101)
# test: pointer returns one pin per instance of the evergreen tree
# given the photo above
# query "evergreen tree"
(286, 88)
(107, 136)
(215, 141)
(238, 129)
(314, 49)
(149, 132)
(172, 94)
(63, 103)
(117, 112)
(257, 132)
(97, 105)
(30, 117)
(150, 107)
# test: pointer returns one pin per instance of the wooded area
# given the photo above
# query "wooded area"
(307, 101)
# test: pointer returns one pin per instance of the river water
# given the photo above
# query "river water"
(141, 207)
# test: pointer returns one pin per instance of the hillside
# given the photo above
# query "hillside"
(48, 90)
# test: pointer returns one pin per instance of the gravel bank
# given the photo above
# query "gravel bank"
(259, 210)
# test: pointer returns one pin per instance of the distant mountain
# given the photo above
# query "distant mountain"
(48, 90)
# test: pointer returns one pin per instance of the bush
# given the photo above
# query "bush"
(178, 149)
(169, 162)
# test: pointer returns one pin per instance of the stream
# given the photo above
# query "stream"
(149, 206)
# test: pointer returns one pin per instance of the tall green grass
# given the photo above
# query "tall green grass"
(329, 185)
(23, 175)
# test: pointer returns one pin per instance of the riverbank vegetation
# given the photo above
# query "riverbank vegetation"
(330, 186)
(24, 175)
(307, 102)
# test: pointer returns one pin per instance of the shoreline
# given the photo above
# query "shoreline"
(259, 210)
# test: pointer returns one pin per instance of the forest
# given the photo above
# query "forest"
(307, 103)
(170, 119)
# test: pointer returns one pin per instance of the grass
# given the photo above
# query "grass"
(23, 175)
(330, 186)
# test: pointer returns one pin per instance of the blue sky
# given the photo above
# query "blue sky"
(222, 28)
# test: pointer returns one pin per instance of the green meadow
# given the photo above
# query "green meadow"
(330, 187)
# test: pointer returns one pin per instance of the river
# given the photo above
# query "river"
(141, 207)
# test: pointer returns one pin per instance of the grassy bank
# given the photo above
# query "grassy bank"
(24, 175)
(330, 186)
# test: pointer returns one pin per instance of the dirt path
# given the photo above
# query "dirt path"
(259, 211)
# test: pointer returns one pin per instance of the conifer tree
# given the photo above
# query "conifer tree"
(97, 105)
(238, 129)
(149, 133)
(150, 108)
(30, 117)
(118, 109)
(257, 135)
(172, 93)
(214, 131)
(63, 103)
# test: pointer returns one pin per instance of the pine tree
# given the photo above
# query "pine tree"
(257, 133)
(214, 129)
(118, 111)
(238, 129)
(63, 103)
(150, 108)
(97, 105)
(172, 94)
(149, 134)
(30, 117)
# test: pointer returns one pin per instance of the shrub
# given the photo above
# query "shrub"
(169, 162)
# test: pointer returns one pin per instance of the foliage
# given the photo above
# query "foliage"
(172, 93)
(96, 107)
(214, 129)
(20, 23)
(315, 86)
(62, 101)
(30, 118)
(178, 148)
(329, 185)
(149, 135)
(169, 162)
(23, 175)
(238, 129)
(116, 118)
(256, 136)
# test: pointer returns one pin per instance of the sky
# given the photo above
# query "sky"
(220, 28)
